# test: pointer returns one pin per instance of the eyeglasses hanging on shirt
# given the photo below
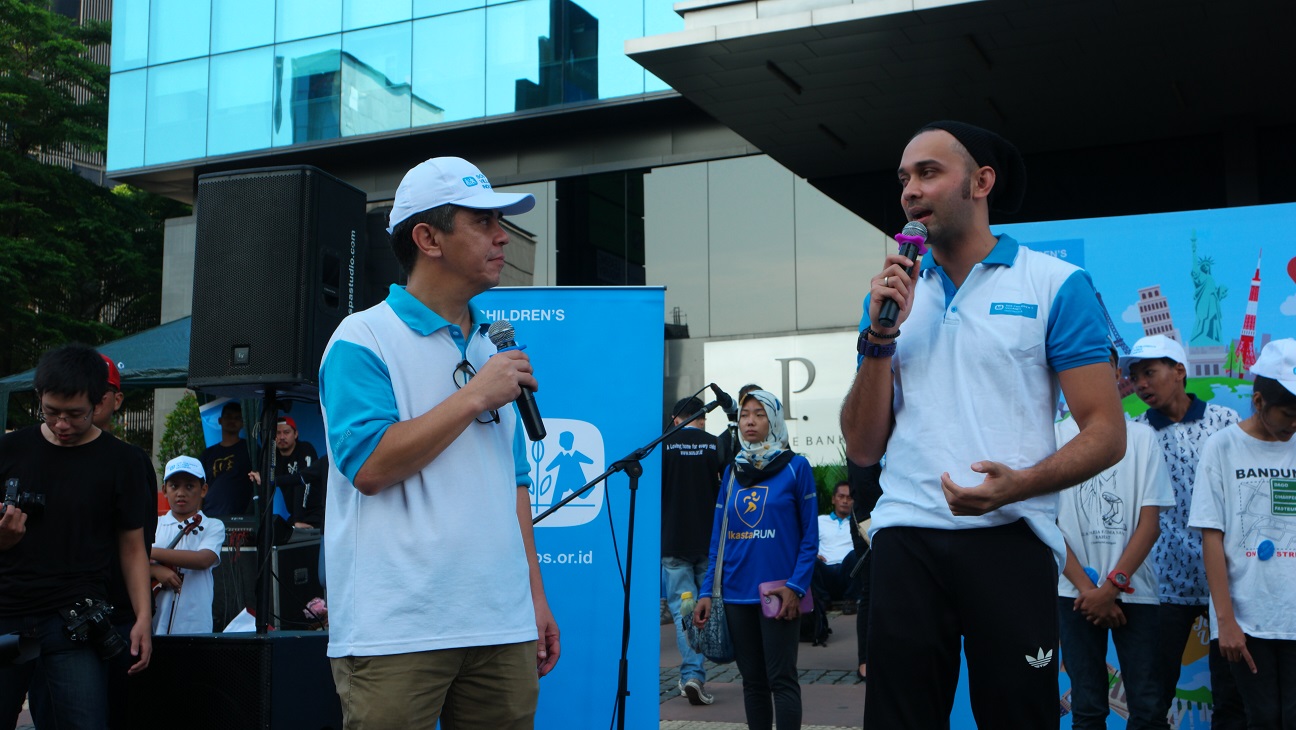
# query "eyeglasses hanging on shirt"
(464, 372)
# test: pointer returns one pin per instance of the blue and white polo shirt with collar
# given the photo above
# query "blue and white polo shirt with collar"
(1177, 553)
(436, 561)
(975, 378)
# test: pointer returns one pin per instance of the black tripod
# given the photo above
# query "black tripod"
(633, 468)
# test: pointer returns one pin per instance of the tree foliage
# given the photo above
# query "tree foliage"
(183, 433)
(77, 261)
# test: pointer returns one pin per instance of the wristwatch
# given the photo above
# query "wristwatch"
(1121, 580)
(872, 349)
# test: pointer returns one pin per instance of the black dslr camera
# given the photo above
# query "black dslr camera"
(89, 620)
(30, 502)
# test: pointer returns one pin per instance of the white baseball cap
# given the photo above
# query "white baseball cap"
(185, 465)
(1278, 361)
(1153, 347)
(443, 180)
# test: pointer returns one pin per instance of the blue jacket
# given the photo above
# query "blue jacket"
(773, 533)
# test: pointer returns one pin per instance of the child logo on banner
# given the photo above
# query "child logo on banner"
(577, 457)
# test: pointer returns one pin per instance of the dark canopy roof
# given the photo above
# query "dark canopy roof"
(154, 358)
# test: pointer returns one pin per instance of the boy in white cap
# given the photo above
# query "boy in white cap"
(186, 549)
(428, 480)
(1157, 366)
(1244, 503)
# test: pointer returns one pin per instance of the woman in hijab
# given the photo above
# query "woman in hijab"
(768, 521)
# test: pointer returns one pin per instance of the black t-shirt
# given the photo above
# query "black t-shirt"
(299, 478)
(690, 483)
(91, 492)
(117, 594)
(229, 491)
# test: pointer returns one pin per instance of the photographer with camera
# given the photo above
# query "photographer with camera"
(71, 497)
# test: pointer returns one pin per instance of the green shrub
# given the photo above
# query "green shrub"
(826, 477)
(183, 434)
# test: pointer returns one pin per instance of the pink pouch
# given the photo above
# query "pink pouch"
(771, 604)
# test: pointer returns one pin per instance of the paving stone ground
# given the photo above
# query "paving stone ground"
(832, 695)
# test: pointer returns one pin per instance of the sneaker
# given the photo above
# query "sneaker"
(696, 695)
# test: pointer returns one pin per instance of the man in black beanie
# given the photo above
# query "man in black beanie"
(966, 548)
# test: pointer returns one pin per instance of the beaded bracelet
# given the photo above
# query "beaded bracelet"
(879, 335)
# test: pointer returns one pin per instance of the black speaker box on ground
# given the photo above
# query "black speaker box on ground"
(296, 582)
(295, 575)
(234, 584)
(279, 680)
(278, 263)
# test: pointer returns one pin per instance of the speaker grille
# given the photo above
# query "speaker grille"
(273, 257)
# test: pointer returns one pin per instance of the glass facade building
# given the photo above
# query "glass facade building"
(194, 79)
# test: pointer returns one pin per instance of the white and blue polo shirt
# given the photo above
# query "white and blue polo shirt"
(975, 378)
(436, 561)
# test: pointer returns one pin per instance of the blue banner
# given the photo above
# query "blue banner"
(598, 356)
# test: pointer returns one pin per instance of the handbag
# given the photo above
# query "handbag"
(712, 640)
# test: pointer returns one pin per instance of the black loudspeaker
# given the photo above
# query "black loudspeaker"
(234, 583)
(295, 568)
(279, 680)
(278, 263)
(295, 576)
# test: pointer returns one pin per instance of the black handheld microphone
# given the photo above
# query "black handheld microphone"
(913, 243)
(501, 335)
(723, 399)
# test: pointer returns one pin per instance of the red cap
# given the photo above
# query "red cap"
(114, 375)
(288, 420)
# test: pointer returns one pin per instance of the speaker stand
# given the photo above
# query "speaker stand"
(265, 535)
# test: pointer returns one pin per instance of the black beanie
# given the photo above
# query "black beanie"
(990, 150)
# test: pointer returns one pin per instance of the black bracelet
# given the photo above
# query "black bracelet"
(870, 331)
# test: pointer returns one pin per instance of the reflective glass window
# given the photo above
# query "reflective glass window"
(376, 80)
(126, 119)
(368, 13)
(517, 42)
(179, 29)
(239, 24)
(242, 93)
(307, 91)
(130, 34)
(298, 19)
(176, 112)
(424, 8)
(594, 33)
(449, 75)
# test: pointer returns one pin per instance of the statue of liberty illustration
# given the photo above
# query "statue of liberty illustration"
(1207, 296)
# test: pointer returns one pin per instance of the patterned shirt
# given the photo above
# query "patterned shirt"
(1178, 552)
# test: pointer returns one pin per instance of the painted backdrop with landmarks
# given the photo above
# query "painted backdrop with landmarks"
(1223, 283)
(598, 356)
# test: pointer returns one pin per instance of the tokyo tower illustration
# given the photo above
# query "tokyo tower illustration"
(1246, 354)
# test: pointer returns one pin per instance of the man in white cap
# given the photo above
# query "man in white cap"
(435, 596)
(1158, 368)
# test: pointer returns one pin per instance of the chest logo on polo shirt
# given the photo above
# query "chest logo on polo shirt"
(1015, 309)
(750, 503)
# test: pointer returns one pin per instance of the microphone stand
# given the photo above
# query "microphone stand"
(630, 464)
